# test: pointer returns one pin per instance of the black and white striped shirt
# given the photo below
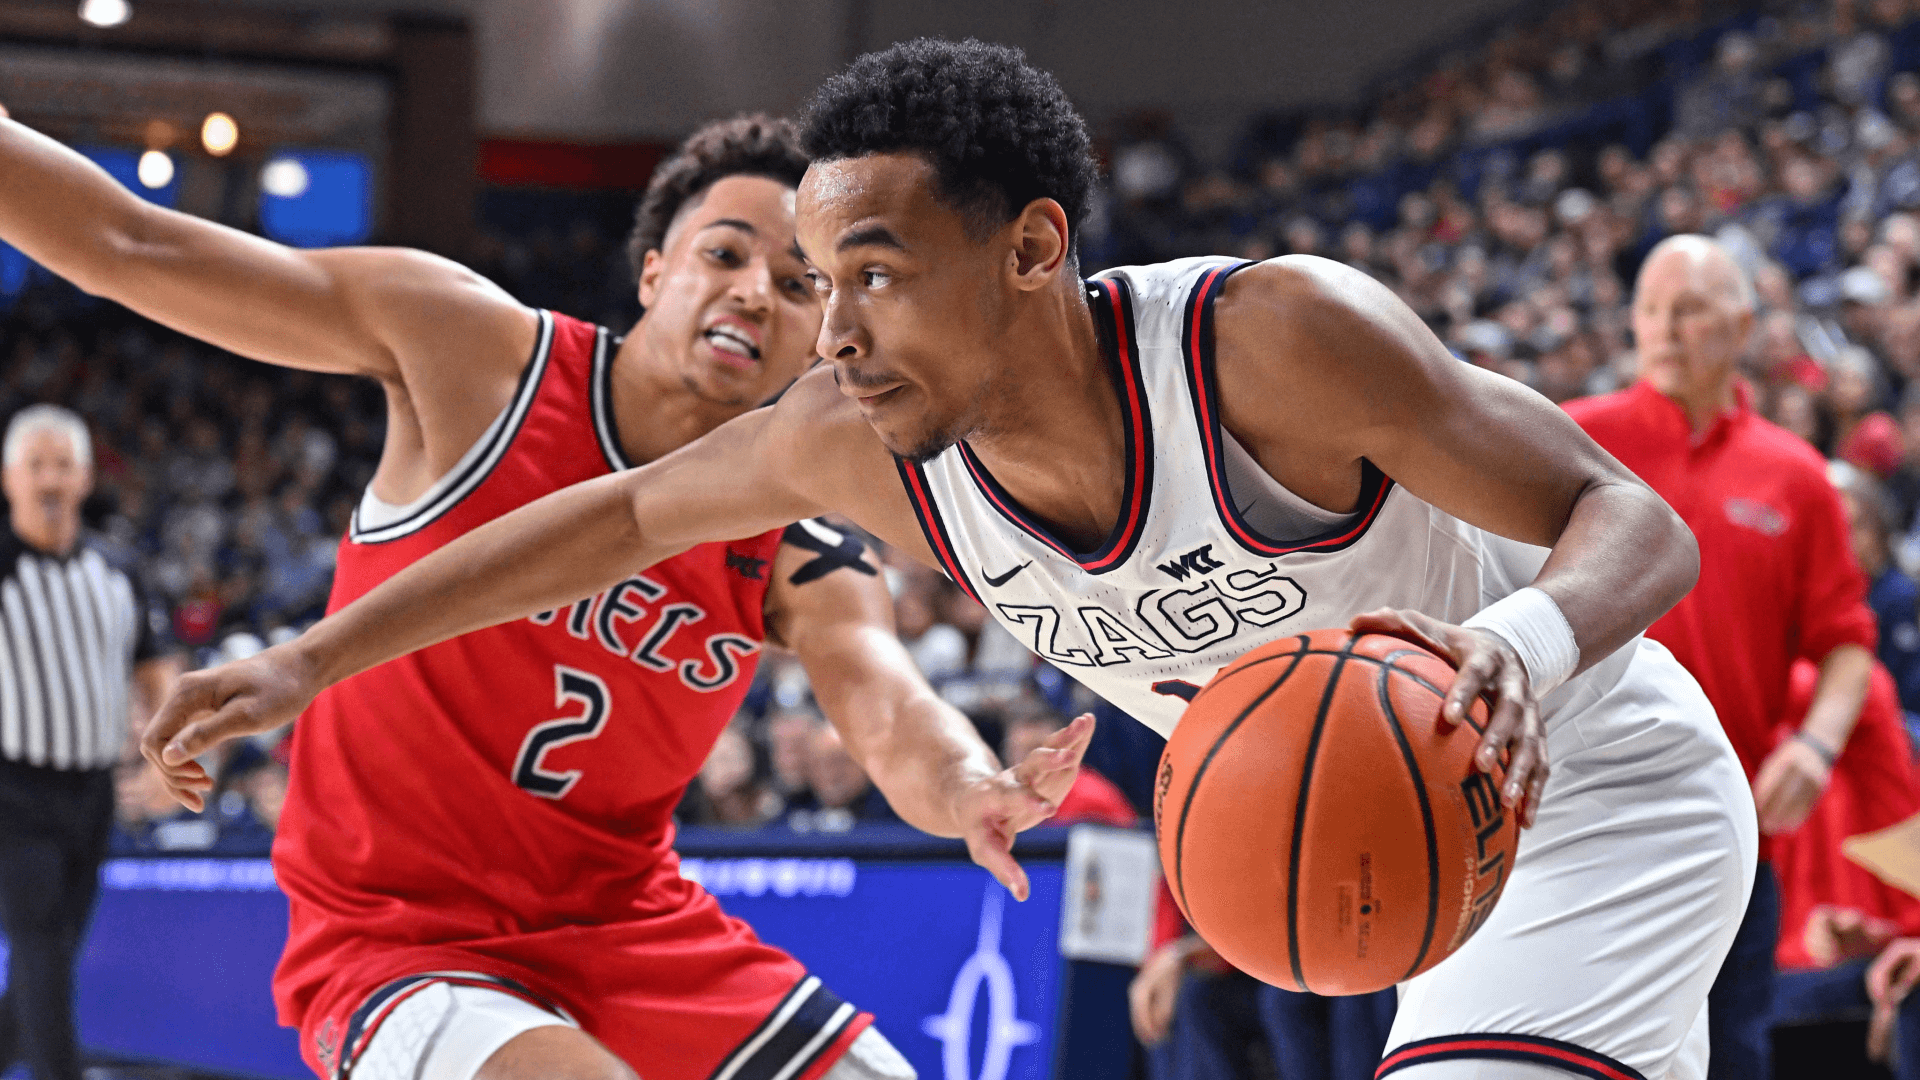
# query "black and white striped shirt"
(71, 631)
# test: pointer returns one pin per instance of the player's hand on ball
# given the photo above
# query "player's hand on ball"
(1789, 782)
(991, 812)
(206, 708)
(1486, 666)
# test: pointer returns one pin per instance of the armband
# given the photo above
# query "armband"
(1533, 624)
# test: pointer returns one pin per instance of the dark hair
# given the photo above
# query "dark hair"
(998, 131)
(755, 145)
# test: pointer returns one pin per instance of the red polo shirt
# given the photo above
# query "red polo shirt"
(1777, 576)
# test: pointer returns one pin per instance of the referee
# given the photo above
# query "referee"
(78, 656)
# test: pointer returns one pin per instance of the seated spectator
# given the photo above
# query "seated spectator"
(252, 788)
(1890, 593)
(1201, 1019)
(147, 820)
(1029, 723)
(788, 733)
(732, 789)
(1849, 946)
(839, 791)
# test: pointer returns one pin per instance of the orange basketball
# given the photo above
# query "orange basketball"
(1317, 825)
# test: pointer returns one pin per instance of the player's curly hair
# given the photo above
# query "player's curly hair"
(998, 131)
(752, 145)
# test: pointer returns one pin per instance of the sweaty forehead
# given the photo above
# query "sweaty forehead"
(895, 190)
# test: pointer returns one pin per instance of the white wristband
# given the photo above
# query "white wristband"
(1533, 624)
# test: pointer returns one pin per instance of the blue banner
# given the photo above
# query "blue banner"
(964, 980)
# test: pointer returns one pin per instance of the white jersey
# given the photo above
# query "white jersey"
(1210, 556)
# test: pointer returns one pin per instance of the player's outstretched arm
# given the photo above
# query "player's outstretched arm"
(346, 310)
(829, 605)
(547, 554)
(1365, 378)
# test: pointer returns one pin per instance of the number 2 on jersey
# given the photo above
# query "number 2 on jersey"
(569, 685)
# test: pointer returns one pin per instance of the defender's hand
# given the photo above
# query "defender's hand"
(206, 708)
(1486, 666)
(1789, 782)
(991, 812)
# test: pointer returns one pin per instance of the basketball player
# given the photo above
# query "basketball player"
(1146, 474)
(475, 842)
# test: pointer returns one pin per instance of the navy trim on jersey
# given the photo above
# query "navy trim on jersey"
(600, 402)
(1533, 1049)
(495, 442)
(366, 1020)
(1196, 342)
(806, 1023)
(1112, 301)
(914, 476)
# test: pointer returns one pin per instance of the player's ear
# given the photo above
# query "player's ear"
(1041, 243)
(651, 266)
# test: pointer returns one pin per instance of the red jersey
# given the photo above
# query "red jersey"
(1874, 785)
(1777, 576)
(517, 780)
(1094, 798)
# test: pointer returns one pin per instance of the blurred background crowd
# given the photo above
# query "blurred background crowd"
(1506, 191)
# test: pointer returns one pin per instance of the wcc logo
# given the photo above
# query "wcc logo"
(1199, 561)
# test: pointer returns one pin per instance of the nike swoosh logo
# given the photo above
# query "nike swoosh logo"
(996, 582)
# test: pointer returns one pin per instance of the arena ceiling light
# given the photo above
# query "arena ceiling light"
(105, 13)
(285, 177)
(219, 134)
(156, 169)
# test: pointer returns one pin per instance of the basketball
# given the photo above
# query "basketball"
(1317, 825)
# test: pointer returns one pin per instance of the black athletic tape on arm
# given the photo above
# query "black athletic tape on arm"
(836, 551)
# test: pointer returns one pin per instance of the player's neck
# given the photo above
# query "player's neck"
(654, 412)
(1053, 432)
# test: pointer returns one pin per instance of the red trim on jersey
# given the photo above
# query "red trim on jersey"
(1120, 543)
(1533, 1048)
(837, 1049)
(1198, 343)
(935, 530)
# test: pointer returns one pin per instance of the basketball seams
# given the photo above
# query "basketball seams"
(1300, 810)
(1384, 689)
(1193, 786)
(1388, 661)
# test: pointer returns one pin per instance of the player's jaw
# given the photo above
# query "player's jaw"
(910, 419)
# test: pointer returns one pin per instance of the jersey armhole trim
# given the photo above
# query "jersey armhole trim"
(606, 430)
(477, 463)
(1197, 343)
(914, 477)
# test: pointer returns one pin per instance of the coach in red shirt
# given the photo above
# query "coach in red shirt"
(1777, 578)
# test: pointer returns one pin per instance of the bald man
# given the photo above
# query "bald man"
(1777, 577)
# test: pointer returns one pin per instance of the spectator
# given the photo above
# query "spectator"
(1845, 935)
(732, 788)
(839, 791)
(1777, 578)
(1029, 723)
(789, 734)
(62, 729)
(1890, 592)
(1201, 1019)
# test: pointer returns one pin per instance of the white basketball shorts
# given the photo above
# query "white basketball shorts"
(1624, 899)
